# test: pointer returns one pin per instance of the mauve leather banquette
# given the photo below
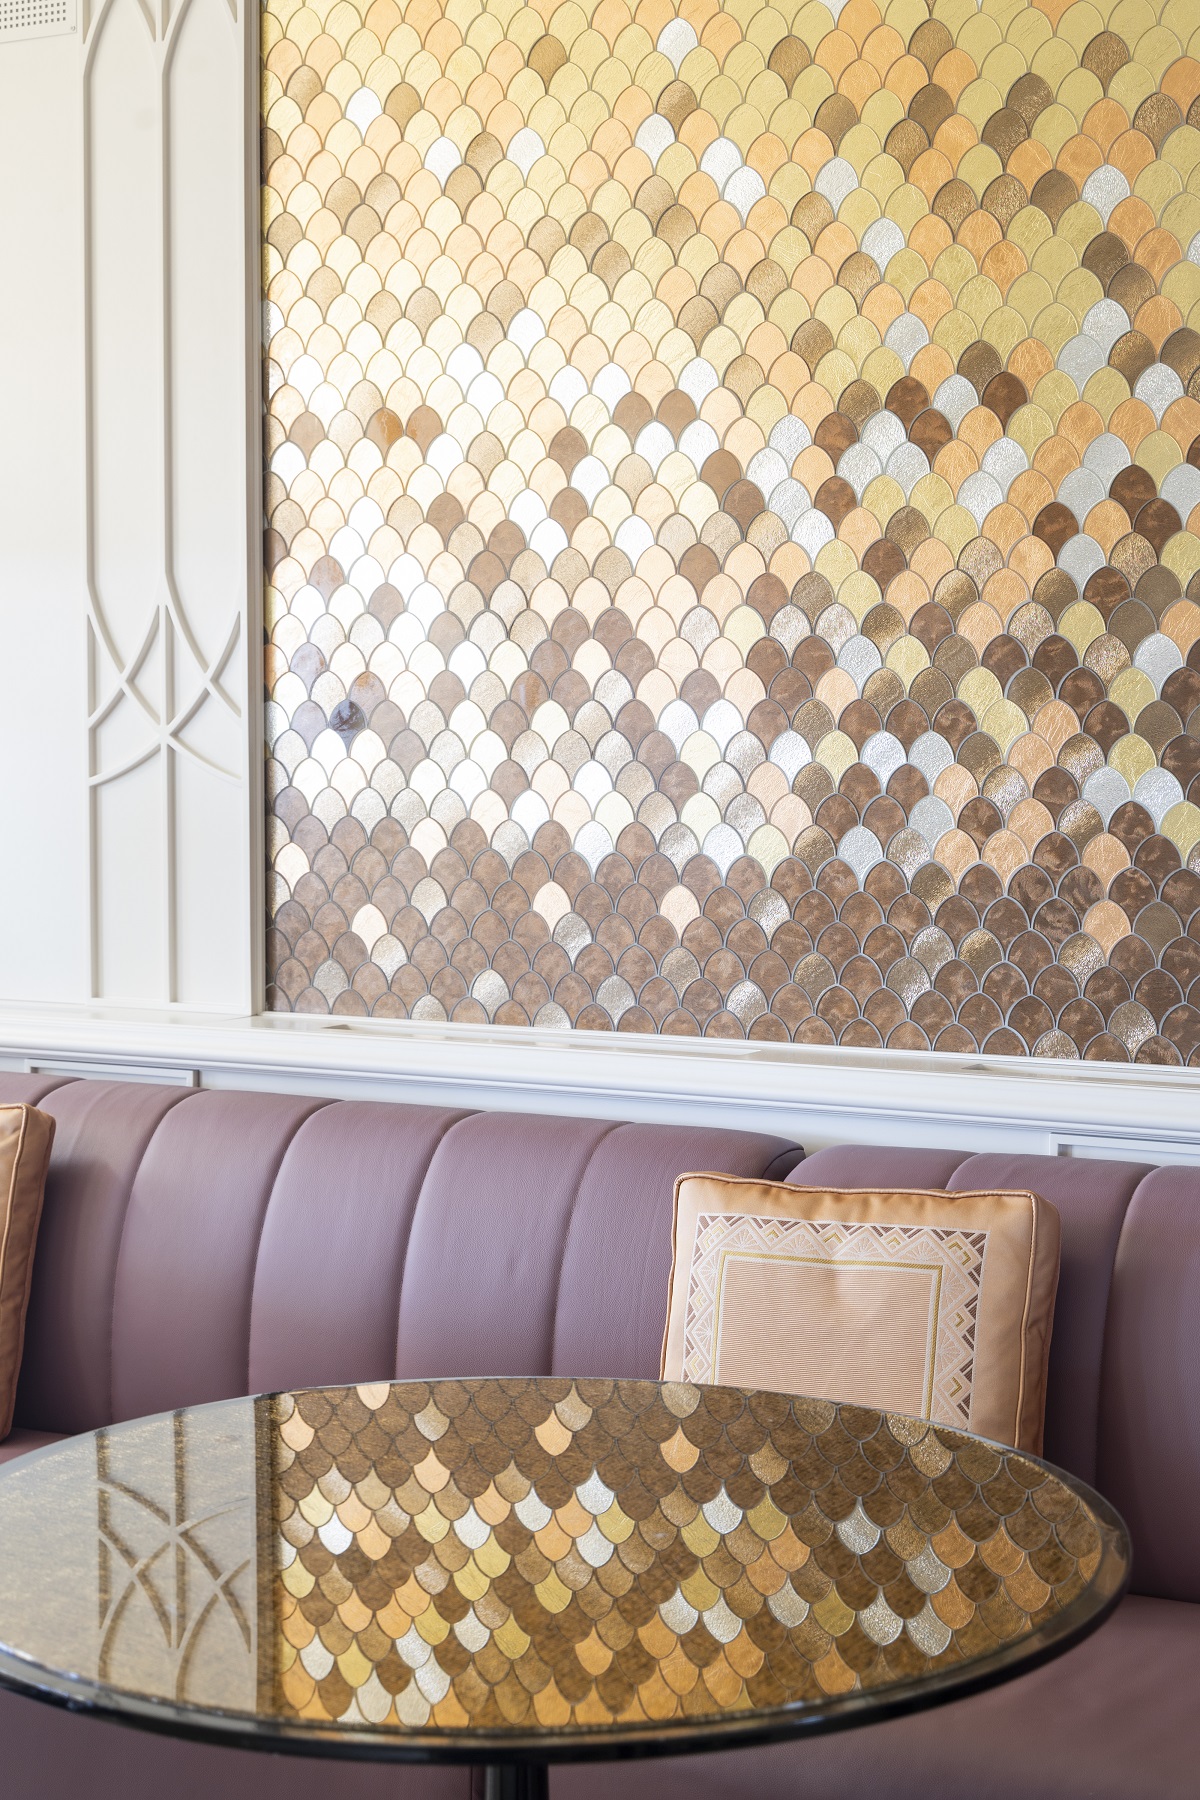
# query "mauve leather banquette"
(197, 1245)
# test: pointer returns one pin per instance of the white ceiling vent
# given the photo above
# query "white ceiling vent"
(36, 18)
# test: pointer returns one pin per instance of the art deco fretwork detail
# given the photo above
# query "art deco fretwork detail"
(176, 1546)
(732, 519)
(165, 505)
(949, 1260)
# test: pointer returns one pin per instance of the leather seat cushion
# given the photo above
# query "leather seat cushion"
(46, 1754)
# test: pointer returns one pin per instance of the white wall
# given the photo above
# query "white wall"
(43, 751)
(127, 575)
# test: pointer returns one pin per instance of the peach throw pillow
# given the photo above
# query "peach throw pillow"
(933, 1304)
(25, 1139)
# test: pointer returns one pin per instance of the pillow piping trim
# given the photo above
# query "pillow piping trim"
(792, 1187)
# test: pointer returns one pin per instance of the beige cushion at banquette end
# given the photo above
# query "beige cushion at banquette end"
(25, 1139)
(932, 1304)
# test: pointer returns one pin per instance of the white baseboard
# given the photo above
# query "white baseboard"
(816, 1096)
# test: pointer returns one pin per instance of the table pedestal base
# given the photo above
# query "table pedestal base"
(516, 1781)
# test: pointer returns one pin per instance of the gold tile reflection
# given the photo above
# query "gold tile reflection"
(554, 1554)
(530, 1555)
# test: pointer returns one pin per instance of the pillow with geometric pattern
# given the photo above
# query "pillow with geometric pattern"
(933, 1304)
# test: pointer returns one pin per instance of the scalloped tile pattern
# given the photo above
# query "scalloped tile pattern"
(507, 1554)
(732, 519)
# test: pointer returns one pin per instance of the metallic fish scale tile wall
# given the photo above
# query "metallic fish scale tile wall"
(732, 512)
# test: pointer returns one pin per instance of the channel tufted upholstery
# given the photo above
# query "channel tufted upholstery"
(196, 1245)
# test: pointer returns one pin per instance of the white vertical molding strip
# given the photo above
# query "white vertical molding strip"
(170, 482)
(44, 896)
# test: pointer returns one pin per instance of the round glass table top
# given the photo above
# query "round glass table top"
(483, 1569)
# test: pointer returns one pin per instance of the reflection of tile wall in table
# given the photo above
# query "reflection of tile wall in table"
(525, 1555)
(732, 520)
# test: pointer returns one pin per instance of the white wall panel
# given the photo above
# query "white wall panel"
(127, 574)
(210, 476)
(124, 509)
(44, 937)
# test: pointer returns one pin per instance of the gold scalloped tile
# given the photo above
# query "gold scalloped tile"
(730, 521)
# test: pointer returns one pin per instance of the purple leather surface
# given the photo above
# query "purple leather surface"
(876, 1166)
(782, 1164)
(28, 1090)
(196, 1245)
(1149, 1463)
(1114, 1719)
(181, 1309)
(103, 1128)
(611, 1303)
(46, 1754)
(481, 1280)
(1091, 1198)
(334, 1241)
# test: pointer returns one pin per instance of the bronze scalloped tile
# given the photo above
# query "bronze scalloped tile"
(716, 465)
